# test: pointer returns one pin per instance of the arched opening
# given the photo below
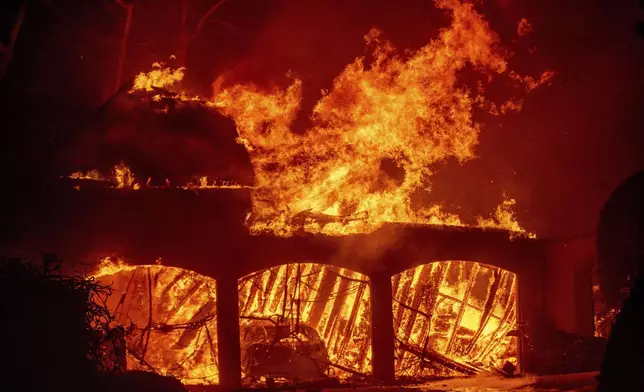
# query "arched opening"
(304, 321)
(454, 317)
(169, 317)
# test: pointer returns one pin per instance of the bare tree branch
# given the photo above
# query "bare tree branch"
(129, 8)
(205, 16)
(15, 30)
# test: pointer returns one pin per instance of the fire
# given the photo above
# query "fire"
(88, 175)
(123, 178)
(108, 266)
(456, 315)
(333, 301)
(411, 111)
(159, 77)
(204, 183)
(170, 317)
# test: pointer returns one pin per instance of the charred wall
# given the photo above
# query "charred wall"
(194, 229)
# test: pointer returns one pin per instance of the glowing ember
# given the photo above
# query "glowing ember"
(459, 310)
(169, 316)
(123, 178)
(333, 301)
(88, 175)
(204, 183)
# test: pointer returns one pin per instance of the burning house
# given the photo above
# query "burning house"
(323, 258)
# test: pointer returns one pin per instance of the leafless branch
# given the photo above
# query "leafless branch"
(15, 30)
(129, 9)
(210, 11)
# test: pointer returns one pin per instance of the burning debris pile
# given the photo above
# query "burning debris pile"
(332, 303)
(454, 317)
(169, 317)
(310, 321)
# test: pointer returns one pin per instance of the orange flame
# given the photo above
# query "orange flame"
(159, 77)
(88, 175)
(170, 308)
(461, 310)
(124, 178)
(411, 111)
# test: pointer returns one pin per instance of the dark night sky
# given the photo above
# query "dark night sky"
(560, 158)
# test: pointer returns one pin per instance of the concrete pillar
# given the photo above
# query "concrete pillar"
(228, 346)
(532, 318)
(382, 328)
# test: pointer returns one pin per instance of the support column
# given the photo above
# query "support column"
(228, 346)
(382, 328)
(532, 318)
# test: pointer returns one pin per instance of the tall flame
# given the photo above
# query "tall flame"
(409, 110)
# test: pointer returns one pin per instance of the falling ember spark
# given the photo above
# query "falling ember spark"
(411, 111)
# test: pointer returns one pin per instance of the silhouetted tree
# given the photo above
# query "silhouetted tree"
(49, 325)
(188, 34)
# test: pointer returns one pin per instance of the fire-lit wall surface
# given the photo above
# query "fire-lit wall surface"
(170, 318)
(569, 283)
(453, 317)
(332, 301)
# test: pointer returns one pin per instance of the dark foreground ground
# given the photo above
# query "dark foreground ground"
(580, 382)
